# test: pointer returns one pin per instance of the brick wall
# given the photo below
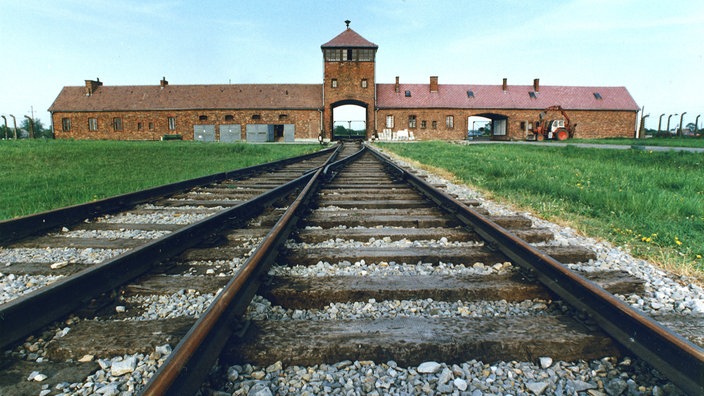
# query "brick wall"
(155, 124)
(589, 124)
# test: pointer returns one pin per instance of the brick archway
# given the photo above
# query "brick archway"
(348, 102)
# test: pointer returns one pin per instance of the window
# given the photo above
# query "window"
(365, 54)
(117, 123)
(389, 121)
(92, 124)
(597, 95)
(283, 117)
(470, 94)
(151, 126)
(450, 122)
(229, 117)
(333, 83)
(364, 83)
(332, 55)
(411, 121)
(349, 54)
(140, 126)
(533, 94)
(423, 124)
(435, 125)
(202, 118)
(408, 94)
(172, 123)
(256, 116)
(66, 124)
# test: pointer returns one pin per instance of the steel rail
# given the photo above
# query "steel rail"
(677, 358)
(36, 309)
(189, 363)
(15, 229)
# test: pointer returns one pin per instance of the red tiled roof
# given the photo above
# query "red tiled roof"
(190, 97)
(515, 97)
(349, 38)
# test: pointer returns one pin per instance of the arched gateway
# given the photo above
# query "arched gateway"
(349, 77)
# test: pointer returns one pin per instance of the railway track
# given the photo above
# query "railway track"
(359, 262)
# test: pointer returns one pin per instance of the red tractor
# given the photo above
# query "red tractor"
(559, 129)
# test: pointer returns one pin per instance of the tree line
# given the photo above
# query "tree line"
(24, 128)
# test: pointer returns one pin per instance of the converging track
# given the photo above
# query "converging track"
(373, 232)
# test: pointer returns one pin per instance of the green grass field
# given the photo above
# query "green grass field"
(649, 202)
(44, 174)
(657, 141)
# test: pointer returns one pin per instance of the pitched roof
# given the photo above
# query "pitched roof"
(515, 97)
(190, 97)
(349, 38)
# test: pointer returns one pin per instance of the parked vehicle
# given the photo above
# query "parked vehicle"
(557, 129)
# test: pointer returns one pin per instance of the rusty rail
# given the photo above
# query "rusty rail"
(188, 365)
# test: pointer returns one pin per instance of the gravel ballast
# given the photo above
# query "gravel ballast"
(607, 376)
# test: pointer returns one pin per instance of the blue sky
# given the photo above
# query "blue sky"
(652, 47)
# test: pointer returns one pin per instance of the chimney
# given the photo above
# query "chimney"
(433, 83)
(505, 84)
(397, 89)
(91, 86)
(163, 82)
(536, 85)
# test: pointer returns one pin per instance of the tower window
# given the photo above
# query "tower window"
(333, 83)
(364, 83)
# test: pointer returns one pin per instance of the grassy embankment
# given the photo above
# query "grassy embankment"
(45, 174)
(649, 202)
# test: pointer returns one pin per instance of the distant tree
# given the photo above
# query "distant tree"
(39, 130)
(340, 130)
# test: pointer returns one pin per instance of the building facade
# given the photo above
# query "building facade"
(288, 112)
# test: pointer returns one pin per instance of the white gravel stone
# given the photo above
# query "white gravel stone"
(460, 384)
(122, 367)
(429, 367)
(545, 362)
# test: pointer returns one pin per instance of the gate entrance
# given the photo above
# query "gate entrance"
(349, 122)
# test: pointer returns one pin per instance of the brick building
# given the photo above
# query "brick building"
(287, 112)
